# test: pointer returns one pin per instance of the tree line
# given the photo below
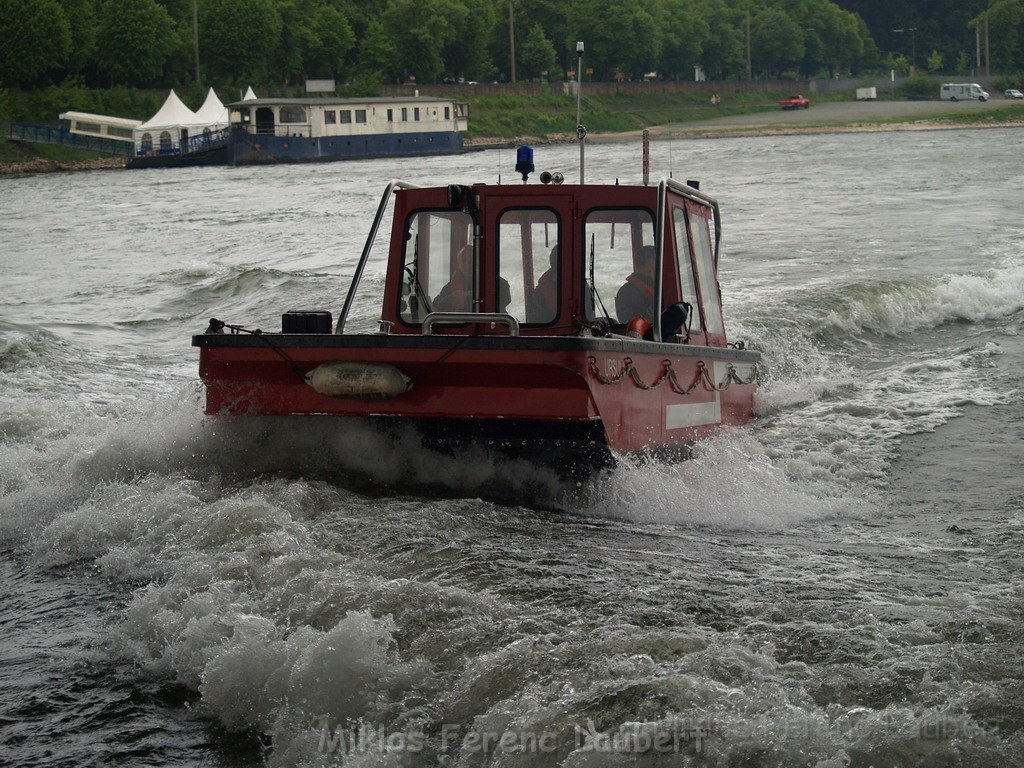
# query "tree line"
(152, 43)
(946, 35)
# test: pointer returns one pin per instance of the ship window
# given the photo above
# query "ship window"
(687, 287)
(360, 115)
(528, 257)
(391, 115)
(405, 114)
(165, 140)
(292, 114)
(619, 265)
(330, 116)
(147, 142)
(447, 113)
(437, 265)
(706, 277)
(416, 113)
(346, 115)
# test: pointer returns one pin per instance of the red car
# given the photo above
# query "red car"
(796, 101)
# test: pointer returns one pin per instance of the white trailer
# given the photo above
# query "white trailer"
(867, 94)
(964, 91)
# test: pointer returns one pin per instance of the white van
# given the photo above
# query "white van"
(966, 91)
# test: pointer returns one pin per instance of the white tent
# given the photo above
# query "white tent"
(213, 114)
(165, 130)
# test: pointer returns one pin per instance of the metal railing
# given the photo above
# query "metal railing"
(48, 134)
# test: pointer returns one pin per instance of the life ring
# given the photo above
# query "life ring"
(638, 327)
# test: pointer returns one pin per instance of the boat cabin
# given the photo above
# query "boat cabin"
(544, 260)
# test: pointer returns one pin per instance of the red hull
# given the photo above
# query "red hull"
(562, 386)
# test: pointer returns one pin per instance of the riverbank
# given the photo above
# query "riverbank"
(48, 165)
(826, 117)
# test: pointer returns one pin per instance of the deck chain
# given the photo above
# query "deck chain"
(669, 375)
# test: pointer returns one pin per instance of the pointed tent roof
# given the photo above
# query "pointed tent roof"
(250, 94)
(172, 114)
(213, 113)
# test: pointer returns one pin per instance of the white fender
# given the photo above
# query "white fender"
(359, 381)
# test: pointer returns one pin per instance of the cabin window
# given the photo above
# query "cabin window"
(619, 263)
(528, 257)
(360, 115)
(416, 113)
(87, 127)
(391, 115)
(292, 114)
(405, 114)
(346, 115)
(147, 142)
(447, 113)
(165, 141)
(687, 286)
(330, 117)
(707, 279)
(437, 265)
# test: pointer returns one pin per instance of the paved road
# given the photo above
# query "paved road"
(834, 112)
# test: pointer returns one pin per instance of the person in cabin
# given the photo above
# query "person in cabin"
(543, 304)
(457, 293)
(636, 296)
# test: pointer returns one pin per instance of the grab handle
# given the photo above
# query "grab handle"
(458, 318)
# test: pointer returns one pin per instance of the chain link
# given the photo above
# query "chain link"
(669, 375)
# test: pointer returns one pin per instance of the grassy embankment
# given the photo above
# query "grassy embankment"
(511, 116)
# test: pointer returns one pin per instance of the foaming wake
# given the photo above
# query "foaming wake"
(729, 482)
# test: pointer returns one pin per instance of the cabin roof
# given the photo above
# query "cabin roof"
(328, 100)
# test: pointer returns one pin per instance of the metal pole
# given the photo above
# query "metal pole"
(195, 33)
(581, 132)
(512, 42)
(988, 59)
(750, 69)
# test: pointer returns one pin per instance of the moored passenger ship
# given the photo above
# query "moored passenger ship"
(323, 128)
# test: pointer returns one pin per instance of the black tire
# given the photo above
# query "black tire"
(953, 98)
(982, 98)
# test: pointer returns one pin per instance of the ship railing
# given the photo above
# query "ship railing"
(48, 134)
(206, 141)
(364, 257)
(302, 130)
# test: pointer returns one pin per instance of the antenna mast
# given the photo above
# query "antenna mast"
(581, 132)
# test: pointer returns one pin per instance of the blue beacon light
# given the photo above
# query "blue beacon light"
(524, 161)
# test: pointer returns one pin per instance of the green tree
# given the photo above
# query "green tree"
(238, 39)
(963, 63)
(1006, 33)
(36, 40)
(619, 37)
(724, 53)
(377, 53)
(315, 40)
(466, 51)
(684, 35)
(421, 29)
(934, 62)
(777, 42)
(134, 39)
(536, 54)
(82, 18)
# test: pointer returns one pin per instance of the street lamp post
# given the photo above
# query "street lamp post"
(913, 47)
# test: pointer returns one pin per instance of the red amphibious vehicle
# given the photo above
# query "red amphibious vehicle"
(560, 322)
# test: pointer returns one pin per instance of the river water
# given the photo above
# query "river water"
(837, 584)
